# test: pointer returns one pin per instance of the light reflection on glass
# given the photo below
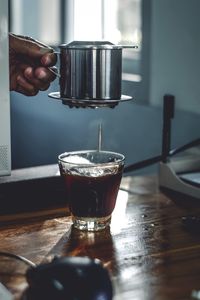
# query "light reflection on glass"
(119, 219)
(129, 272)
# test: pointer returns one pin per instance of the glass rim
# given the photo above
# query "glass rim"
(121, 158)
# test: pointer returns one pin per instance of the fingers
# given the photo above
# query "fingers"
(30, 39)
(32, 49)
(27, 46)
(31, 65)
(49, 59)
(45, 74)
(27, 88)
(40, 78)
(30, 81)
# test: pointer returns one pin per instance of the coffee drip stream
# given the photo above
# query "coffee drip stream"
(100, 137)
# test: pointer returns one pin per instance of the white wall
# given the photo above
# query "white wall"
(5, 160)
(175, 53)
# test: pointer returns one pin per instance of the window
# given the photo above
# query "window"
(113, 20)
(116, 21)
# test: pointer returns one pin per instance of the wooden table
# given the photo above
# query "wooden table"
(148, 252)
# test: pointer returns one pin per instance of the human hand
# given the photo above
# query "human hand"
(30, 65)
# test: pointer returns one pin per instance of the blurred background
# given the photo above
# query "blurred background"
(167, 34)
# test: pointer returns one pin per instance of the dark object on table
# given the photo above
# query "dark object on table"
(71, 278)
(191, 223)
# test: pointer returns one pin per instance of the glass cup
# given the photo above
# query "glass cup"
(92, 179)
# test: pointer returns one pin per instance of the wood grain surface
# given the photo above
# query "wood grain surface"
(148, 252)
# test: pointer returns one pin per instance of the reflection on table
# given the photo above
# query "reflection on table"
(147, 251)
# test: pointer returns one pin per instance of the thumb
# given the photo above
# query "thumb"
(28, 46)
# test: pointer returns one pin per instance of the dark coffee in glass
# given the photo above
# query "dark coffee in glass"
(92, 180)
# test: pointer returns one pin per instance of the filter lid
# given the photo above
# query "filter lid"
(90, 45)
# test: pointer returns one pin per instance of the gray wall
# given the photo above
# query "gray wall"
(42, 128)
(175, 52)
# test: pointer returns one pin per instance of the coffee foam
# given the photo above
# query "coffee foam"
(76, 159)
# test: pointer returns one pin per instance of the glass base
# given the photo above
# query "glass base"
(91, 224)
